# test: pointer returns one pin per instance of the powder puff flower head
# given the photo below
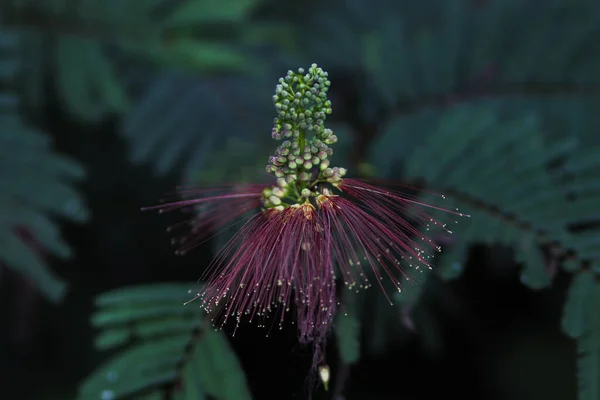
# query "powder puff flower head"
(311, 228)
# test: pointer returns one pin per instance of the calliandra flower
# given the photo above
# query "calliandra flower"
(311, 228)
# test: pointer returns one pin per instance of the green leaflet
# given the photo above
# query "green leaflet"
(579, 305)
(17, 255)
(86, 79)
(161, 342)
(192, 382)
(144, 294)
(534, 273)
(219, 370)
(197, 55)
(588, 349)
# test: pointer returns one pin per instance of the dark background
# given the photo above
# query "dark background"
(503, 341)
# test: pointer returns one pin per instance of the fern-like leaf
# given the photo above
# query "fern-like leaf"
(89, 36)
(161, 345)
(182, 117)
(505, 162)
(497, 171)
(35, 185)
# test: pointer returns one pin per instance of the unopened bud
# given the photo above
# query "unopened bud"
(324, 375)
(281, 182)
(324, 165)
(331, 139)
(291, 178)
(275, 200)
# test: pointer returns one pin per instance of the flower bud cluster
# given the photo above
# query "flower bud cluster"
(300, 162)
(301, 103)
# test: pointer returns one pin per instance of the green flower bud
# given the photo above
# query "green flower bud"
(275, 200)
(331, 139)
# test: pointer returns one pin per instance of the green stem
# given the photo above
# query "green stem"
(315, 182)
(302, 140)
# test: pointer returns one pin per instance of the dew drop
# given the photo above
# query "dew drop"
(107, 395)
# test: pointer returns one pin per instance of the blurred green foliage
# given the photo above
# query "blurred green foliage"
(162, 347)
(35, 185)
(493, 103)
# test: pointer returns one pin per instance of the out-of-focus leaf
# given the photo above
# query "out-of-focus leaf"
(161, 342)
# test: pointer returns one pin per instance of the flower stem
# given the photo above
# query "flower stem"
(302, 139)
